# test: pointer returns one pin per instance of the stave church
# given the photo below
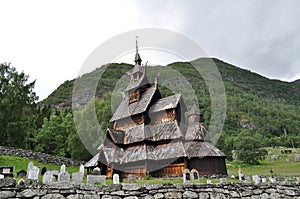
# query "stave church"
(151, 137)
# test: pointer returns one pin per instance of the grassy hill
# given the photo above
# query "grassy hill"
(270, 108)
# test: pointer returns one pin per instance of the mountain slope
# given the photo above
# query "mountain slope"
(254, 103)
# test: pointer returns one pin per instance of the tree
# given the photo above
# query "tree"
(17, 104)
(52, 137)
(91, 127)
(248, 147)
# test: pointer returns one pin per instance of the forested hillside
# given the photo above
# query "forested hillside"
(267, 109)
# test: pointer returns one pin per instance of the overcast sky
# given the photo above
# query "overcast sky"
(50, 40)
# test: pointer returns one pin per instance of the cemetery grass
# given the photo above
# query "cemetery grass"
(283, 165)
(22, 163)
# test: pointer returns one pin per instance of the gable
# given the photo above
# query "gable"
(126, 110)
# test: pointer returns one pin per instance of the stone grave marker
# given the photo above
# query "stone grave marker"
(223, 180)
(43, 171)
(297, 157)
(64, 177)
(77, 177)
(62, 168)
(21, 174)
(29, 166)
(48, 177)
(195, 174)
(273, 180)
(92, 179)
(1, 176)
(208, 181)
(263, 180)
(256, 179)
(33, 173)
(81, 168)
(131, 178)
(96, 171)
(116, 178)
(241, 174)
(187, 176)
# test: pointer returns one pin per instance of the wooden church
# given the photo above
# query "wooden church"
(150, 135)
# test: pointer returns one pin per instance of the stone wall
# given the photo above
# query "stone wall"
(40, 157)
(58, 190)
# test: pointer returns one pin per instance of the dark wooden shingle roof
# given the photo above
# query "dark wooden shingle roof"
(195, 131)
(141, 82)
(166, 103)
(202, 149)
(155, 132)
(125, 110)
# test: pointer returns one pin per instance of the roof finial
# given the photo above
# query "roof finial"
(137, 58)
(136, 44)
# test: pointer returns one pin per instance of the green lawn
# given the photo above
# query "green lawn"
(21, 164)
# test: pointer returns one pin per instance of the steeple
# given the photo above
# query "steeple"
(137, 58)
(138, 77)
(194, 114)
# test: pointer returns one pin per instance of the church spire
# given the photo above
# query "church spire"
(137, 58)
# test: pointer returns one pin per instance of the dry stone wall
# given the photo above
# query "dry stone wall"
(37, 156)
(59, 190)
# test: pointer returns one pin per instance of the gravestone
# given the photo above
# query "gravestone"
(208, 181)
(29, 166)
(263, 180)
(1, 176)
(48, 177)
(256, 179)
(43, 171)
(33, 172)
(223, 180)
(92, 179)
(81, 168)
(241, 174)
(96, 171)
(116, 178)
(21, 174)
(297, 157)
(273, 180)
(62, 168)
(187, 176)
(64, 177)
(195, 174)
(77, 177)
(131, 178)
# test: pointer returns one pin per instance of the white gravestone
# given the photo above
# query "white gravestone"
(223, 180)
(92, 179)
(273, 180)
(29, 166)
(64, 177)
(77, 177)
(187, 176)
(131, 178)
(263, 180)
(62, 168)
(48, 177)
(208, 181)
(81, 168)
(195, 174)
(1, 176)
(33, 173)
(241, 174)
(256, 179)
(116, 178)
